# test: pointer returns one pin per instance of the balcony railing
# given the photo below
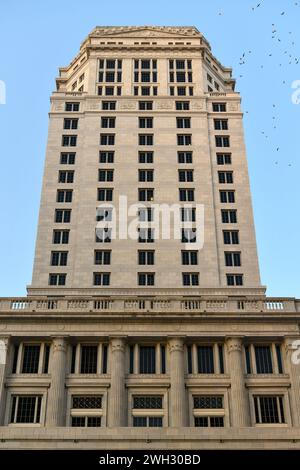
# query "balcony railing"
(118, 305)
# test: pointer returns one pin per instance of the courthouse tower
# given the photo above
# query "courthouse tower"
(122, 331)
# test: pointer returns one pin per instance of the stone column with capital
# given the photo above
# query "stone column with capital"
(56, 403)
(178, 402)
(117, 395)
(240, 407)
(4, 344)
(292, 367)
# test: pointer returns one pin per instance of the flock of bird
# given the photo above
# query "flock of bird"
(288, 57)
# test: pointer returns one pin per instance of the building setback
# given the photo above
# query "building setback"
(120, 332)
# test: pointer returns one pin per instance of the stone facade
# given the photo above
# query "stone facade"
(203, 366)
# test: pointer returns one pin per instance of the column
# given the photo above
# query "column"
(292, 367)
(117, 396)
(240, 411)
(4, 344)
(56, 409)
(178, 402)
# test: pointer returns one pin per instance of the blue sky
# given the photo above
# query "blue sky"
(37, 37)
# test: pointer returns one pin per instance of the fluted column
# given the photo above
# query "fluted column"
(4, 344)
(117, 395)
(56, 409)
(240, 409)
(292, 366)
(178, 402)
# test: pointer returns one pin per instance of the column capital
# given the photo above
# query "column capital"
(234, 343)
(291, 343)
(176, 343)
(59, 343)
(118, 343)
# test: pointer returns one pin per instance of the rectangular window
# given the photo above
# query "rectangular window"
(108, 122)
(182, 105)
(69, 140)
(190, 279)
(63, 216)
(153, 402)
(219, 107)
(263, 358)
(107, 139)
(145, 105)
(105, 175)
(145, 257)
(31, 357)
(145, 139)
(205, 356)
(102, 257)
(279, 358)
(71, 107)
(232, 258)
(185, 157)
(221, 124)
(183, 123)
(145, 214)
(222, 141)
(231, 237)
(103, 235)
(67, 158)
(145, 194)
(60, 237)
(146, 279)
(146, 235)
(101, 279)
(59, 258)
(146, 157)
(185, 176)
(225, 177)
(106, 157)
(65, 176)
(188, 214)
(234, 279)
(88, 359)
(188, 235)
(105, 194)
(108, 105)
(70, 123)
(209, 421)
(26, 409)
(145, 123)
(186, 195)
(64, 195)
(86, 402)
(223, 158)
(146, 175)
(184, 139)
(57, 279)
(269, 409)
(227, 197)
(204, 402)
(147, 421)
(147, 359)
(229, 216)
(189, 257)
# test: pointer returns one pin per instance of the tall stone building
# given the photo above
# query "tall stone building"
(126, 329)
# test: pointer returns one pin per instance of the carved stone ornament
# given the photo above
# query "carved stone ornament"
(176, 345)
(234, 344)
(59, 345)
(117, 344)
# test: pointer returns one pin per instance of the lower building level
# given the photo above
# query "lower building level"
(172, 372)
